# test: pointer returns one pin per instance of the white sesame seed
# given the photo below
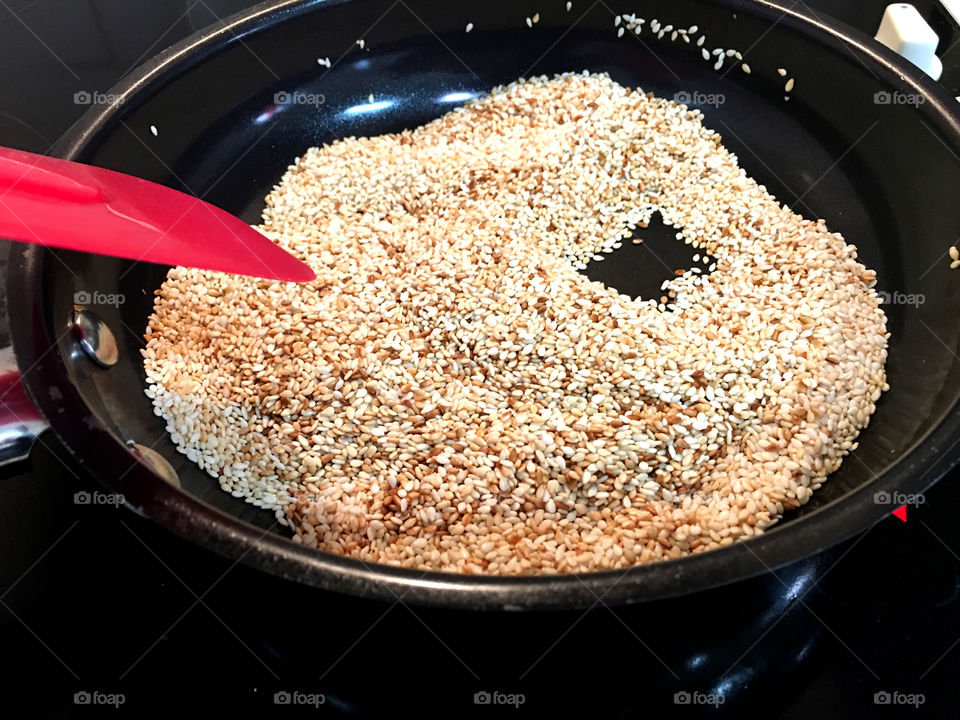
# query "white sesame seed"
(451, 394)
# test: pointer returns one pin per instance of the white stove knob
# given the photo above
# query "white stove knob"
(904, 31)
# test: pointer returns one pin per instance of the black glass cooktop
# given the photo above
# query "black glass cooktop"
(101, 612)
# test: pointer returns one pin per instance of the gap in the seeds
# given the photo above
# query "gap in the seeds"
(639, 270)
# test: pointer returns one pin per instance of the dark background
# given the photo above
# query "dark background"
(96, 599)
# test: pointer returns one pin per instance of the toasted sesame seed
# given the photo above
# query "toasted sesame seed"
(789, 86)
(954, 253)
(451, 394)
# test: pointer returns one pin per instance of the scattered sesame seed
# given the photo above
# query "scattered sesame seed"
(745, 68)
(701, 40)
(789, 86)
(954, 253)
(153, 130)
(782, 72)
(361, 42)
(469, 27)
(569, 6)
(536, 17)
(529, 22)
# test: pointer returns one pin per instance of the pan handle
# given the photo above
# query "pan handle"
(20, 421)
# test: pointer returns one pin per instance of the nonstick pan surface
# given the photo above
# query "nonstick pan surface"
(865, 142)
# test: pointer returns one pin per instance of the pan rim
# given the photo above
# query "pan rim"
(197, 521)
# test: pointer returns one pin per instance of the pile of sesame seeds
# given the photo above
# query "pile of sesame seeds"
(450, 393)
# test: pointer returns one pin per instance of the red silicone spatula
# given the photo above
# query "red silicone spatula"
(58, 203)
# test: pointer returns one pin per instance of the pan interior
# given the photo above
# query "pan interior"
(873, 171)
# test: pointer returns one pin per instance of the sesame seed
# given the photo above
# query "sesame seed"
(469, 27)
(451, 394)
(153, 130)
(782, 72)
(789, 86)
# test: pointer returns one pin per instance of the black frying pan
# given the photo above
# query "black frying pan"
(882, 173)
